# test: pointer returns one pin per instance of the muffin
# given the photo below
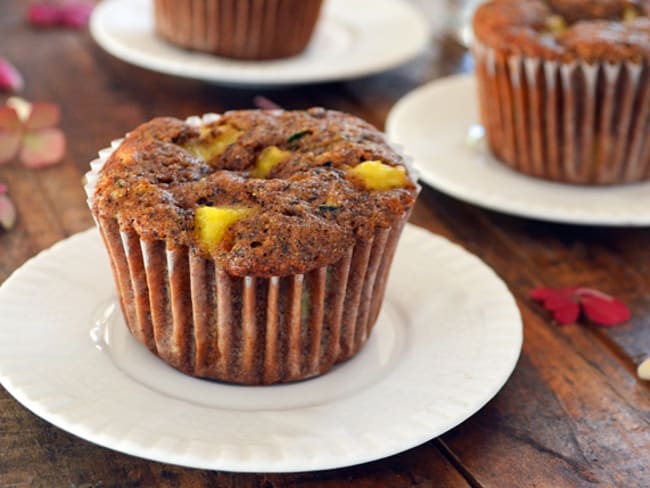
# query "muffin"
(252, 247)
(564, 87)
(242, 29)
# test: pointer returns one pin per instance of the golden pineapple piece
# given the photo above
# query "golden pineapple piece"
(211, 223)
(207, 147)
(379, 176)
(555, 24)
(269, 158)
(630, 13)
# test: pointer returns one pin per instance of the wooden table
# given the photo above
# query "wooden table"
(572, 414)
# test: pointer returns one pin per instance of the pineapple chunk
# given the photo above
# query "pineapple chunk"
(269, 158)
(630, 13)
(379, 176)
(207, 147)
(555, 24)
(211, 223)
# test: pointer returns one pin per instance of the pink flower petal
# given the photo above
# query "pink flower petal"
(76, 14)
(42, 148)
(69, 14)
(44, 14)
(9, 145)
(7, 212)
(9, 121)
(43, 116)
(10, 77)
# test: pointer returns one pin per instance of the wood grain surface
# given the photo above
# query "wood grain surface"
(572, 414)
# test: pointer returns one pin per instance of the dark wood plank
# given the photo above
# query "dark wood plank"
(580, 388)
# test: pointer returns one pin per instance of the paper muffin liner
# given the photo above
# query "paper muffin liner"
(572, 122)
(244, 29)
(206, 322)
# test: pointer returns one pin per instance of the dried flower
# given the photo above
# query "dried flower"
(29, 131)
(73, 14)
(10, 78)
(567, 303)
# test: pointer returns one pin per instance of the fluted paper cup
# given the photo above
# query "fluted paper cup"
(244, 29)
(574, 122)
(202, 320)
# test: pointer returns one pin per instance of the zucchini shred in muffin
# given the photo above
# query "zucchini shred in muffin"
(252, 247)
(564, 87)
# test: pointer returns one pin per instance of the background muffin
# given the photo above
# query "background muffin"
(564, 87)
(254, 247)
(243, 29)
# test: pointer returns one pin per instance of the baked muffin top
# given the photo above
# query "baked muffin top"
(263, 193)
(566, 30)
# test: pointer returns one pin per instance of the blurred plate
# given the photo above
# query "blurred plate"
(353, 38)
(433, 123)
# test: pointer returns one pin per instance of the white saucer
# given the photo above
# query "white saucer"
(447, 339)
(432, 123)
(353, 38)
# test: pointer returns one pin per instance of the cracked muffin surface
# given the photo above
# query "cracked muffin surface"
(263, 193)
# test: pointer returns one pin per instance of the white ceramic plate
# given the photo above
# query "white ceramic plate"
(432, 123)
(447, 339)
(353, 38)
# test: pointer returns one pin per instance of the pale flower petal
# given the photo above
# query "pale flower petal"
(9, 145)
(43, 115)
(42, 148)
(9, 121)
(7, 210)
(22, 107)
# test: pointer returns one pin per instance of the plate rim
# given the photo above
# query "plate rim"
(234, 77)
(98, 438)
(498, 203)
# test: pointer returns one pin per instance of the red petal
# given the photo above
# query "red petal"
(7, 213)
(568, 313)
(10, 77)
(561, 302)
(541, 293)
(43, 14)
(43, 116)
(544, 293)
(605, 311)
(9, 145)
(552, 298)
(43, 148)
(9, 121)
(76, 14)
